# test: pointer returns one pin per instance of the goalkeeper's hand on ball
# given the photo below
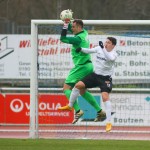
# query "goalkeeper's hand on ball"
(78, 49)
(66, 15)
(65, 26)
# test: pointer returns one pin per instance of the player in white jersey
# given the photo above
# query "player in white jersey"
(101, 77)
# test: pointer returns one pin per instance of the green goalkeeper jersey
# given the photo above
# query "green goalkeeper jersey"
(79, 40)
(82, 61)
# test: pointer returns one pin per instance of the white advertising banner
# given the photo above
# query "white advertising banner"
(127, 110)
(130, 109)
(55, 58)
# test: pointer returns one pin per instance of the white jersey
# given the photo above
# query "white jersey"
(104, 61)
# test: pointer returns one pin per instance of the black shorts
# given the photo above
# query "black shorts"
(94, 80)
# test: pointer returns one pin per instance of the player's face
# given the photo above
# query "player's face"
(75, 28)
(108, 45)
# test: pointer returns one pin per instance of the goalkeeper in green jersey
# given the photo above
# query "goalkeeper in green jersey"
(82, 65)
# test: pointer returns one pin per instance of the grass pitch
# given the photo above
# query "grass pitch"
(73, 144)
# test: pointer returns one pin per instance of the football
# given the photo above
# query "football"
(66, 15)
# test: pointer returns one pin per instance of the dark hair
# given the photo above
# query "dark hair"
(113, 40)
(78, 22)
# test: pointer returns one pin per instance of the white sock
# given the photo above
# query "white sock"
(74, 95)
(108, 111)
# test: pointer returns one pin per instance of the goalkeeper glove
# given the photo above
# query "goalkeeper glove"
(65, 26)
(64, 29)
(78, 49)
(101, 44)
(67, 20)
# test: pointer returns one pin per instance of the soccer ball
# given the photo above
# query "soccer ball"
(66, 15)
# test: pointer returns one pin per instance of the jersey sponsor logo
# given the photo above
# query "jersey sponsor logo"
(101, 58)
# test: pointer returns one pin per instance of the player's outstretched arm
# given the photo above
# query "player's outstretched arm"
(86, 50)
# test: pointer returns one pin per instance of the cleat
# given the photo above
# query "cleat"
(108, 127)
(77, 116)
(100, 116)
(65, 108)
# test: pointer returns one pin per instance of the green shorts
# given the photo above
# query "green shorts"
(78, 72)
